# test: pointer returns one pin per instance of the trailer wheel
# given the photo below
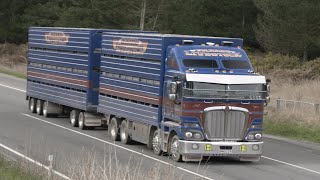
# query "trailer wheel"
(74, 117)
(156, 146)
(82, 121)
(174, 149)
(113, 129)
(45, 109)
(39, 108)
(32, 105)
(124, 135)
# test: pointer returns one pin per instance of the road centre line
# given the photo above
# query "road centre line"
(121, 147)
(34, 161)
(183, 169)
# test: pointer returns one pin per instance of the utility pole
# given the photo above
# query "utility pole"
(143, 13)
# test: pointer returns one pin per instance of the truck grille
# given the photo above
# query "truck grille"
(225, 123)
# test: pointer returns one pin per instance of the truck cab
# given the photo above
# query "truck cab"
(213, 103)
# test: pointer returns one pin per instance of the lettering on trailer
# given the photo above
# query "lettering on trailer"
(212, 52)
(56, 38)
(130, 46)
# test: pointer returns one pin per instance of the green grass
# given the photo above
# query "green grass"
(12, 73)
(293, 130)
(10, 171)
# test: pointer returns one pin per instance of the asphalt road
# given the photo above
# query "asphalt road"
(37, 137)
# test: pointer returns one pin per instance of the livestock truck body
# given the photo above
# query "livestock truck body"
(188, 96)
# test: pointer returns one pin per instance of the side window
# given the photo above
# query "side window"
(171, 61)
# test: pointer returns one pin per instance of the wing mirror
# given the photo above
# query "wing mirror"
(173, 90)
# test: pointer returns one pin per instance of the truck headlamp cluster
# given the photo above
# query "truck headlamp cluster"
(254, 136)
(193, 135)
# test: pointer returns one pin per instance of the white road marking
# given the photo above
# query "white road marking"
(33, 161)
(12, 88)
(289, 164)
(121, 147)
(186, 170)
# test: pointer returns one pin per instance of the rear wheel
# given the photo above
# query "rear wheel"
(82, 121)
(174, 149)
(32, 104)
(39, 108)
(124, 135)
(113, 129)
(156, 144)
(74, 118)
(45, 109)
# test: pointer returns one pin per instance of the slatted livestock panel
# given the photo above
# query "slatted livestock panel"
(131, 77)
(63, 67)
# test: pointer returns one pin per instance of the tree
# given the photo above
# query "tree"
(288, 26)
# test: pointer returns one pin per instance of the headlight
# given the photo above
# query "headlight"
(254, 136)
(197, 135)
(250, 136)
(258, 136)
(188, 134)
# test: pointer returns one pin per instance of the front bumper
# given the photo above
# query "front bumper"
(241, 149)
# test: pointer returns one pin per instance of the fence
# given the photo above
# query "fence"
(306, 107)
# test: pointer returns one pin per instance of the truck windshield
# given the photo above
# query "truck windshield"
(236, 64)
(200, 63)
(222, 91)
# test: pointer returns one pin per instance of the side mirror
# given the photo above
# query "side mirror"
(173, 90)
(268, 99)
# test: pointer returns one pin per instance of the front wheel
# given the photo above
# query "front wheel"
(174, 149)
(156, 144)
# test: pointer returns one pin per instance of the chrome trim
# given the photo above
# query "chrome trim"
(225, 123)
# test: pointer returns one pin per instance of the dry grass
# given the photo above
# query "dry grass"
(13, 59)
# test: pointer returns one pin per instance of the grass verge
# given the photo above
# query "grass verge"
(293, 130)
(12, 73)
(11, 171)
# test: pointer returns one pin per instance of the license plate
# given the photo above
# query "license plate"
(226, 151)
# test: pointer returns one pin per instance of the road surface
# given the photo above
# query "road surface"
(37, 137)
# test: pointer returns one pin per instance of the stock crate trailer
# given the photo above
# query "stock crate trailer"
(189, 96)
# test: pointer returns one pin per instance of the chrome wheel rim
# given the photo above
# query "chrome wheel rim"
(32, 105)
(113, 131)
(45, 109)
(73, 118)
(156, 143)
(175, 149)
(80, 122)
(123, 135)
(38, 108)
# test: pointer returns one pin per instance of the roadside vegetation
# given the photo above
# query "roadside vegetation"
(12, 171)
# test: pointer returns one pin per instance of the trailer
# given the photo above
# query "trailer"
(189, 96)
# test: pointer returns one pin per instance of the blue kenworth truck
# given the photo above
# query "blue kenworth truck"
(187, 96)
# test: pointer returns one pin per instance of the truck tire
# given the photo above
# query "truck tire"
(156, 144)
(113, 129)
(174, 149)
(32, 104)
(124, 135)
(81, 121)
(45, 109)
(39, 108)
(74, 117)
